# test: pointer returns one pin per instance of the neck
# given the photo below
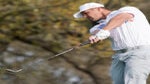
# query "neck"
(105, 13)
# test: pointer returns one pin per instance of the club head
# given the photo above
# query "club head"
(14, 71)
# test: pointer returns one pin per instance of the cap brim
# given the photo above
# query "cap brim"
(77, 15)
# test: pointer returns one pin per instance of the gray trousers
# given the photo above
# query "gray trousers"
(131, 66)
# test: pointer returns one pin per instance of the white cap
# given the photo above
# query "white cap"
(87, 6)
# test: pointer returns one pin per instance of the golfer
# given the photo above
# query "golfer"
(129, 33)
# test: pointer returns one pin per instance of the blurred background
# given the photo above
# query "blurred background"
(31, 31)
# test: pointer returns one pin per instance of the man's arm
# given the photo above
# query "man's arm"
(113, 23)
(118, 20)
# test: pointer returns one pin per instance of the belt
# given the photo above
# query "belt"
(132, 48)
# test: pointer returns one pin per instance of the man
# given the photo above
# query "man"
(129, 32)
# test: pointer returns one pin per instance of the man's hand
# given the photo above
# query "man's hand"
(101, 35)
(93, 39)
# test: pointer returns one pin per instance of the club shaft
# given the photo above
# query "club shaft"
(59, 54)
(85, 43)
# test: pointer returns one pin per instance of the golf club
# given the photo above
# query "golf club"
(14, 71)
(4, 68)
(59, 54)
(70, 49)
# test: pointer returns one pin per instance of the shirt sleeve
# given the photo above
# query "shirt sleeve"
(129, 9)
(94, 28)
(97, 27)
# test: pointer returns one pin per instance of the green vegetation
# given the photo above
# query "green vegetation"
(48, 26)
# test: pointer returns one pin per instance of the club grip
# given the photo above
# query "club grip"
(85, 43)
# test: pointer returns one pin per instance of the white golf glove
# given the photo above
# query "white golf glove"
(102, 34)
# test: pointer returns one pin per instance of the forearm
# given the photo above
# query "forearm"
(113, 23)
(118, 21)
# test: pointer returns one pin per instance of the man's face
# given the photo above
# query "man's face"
(93, 14)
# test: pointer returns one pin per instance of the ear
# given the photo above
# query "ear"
(99, 9)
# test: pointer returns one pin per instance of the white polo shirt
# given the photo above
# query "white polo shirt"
(130, 33)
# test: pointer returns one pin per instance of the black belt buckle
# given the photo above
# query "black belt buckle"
(122, 50)
(128, 49)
